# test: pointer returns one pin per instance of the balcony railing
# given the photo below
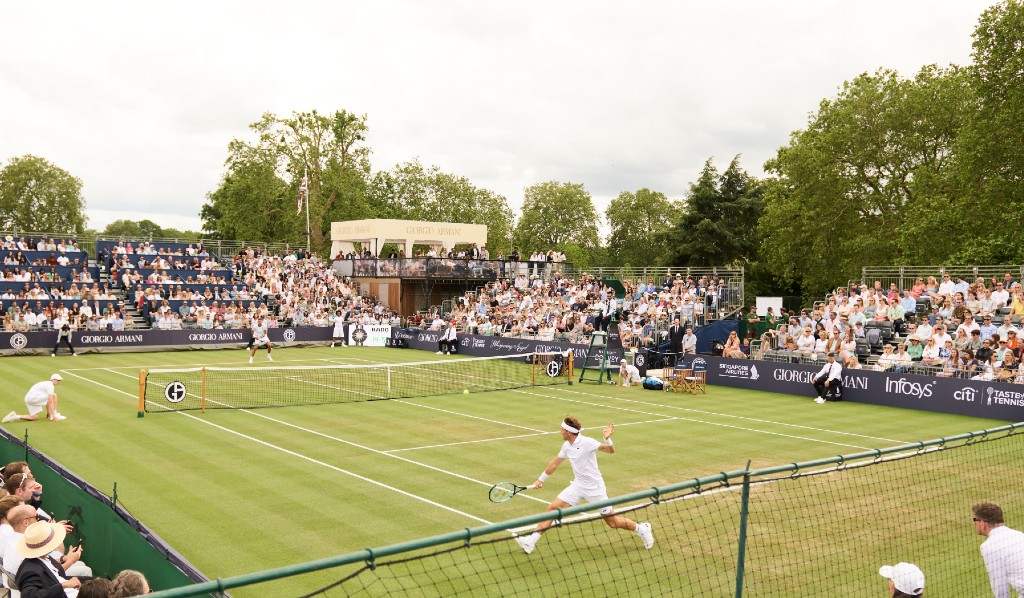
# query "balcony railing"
(437, 267)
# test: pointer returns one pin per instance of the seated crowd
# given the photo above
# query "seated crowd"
(951, 329)
(567, 308)
(33, 556)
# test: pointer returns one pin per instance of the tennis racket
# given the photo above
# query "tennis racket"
(505, 491)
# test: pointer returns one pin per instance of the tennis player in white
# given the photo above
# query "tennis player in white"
(260, 337)
(581, 451)
(42, 396)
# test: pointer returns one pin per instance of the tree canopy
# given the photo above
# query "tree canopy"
(718, 223)
(36, 195)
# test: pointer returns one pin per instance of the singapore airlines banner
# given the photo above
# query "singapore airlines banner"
(995, 400)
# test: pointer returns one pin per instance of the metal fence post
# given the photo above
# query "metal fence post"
(742, 548)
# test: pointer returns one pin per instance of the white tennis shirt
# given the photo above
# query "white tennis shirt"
(1003, 553)
(40, 392)
(582, 456)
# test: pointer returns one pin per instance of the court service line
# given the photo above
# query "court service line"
(493, 421)
(743, 417)
(728, 415)
(301, 456)
(430, 446)
(689, 419)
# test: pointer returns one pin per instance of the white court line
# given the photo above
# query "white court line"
(204, 364)
(430, 446)
(300, 456)
(493, 421)
(689, 419)
(704, 412)
(753, 419)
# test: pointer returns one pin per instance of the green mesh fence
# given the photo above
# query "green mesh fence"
(816, 528)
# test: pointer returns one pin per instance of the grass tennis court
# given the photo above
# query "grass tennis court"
(240, 491)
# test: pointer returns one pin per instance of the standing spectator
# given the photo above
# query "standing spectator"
(904, 580)
(1002, 550)
(675, 339)
(689, 342)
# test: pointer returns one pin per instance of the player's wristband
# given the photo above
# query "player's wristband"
(543, 476)
(608, 441)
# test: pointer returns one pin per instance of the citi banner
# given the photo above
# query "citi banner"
(994, 400)
(490, 346)
(142, 340)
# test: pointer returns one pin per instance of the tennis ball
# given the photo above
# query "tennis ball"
(465, 391)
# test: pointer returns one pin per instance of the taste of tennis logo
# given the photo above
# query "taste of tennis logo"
(289, 335)
(19, 341)
(1010, 398)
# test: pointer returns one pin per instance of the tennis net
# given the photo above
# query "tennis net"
(162, 390)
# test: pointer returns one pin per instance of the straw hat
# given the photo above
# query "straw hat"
(40, 538)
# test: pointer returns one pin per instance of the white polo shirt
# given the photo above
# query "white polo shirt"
(1003, 553)
(40, 392)
(582, 456)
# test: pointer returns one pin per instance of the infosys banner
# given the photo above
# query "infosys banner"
(944, 395)
(489, 346)
(146, 340)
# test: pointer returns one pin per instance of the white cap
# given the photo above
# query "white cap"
(905, 577)
(623, 360)
(56, 377)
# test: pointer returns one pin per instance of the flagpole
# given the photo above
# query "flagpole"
(308, 247)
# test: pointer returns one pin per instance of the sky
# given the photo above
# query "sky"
(140, 99)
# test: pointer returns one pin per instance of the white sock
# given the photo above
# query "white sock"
(534, 537)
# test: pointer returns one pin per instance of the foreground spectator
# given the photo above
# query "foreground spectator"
(129, 583)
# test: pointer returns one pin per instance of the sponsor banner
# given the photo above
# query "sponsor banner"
(142, 340)
(995, 400)
(366, 335)
(489, 346)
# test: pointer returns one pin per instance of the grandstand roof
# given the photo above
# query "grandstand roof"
(376, 232)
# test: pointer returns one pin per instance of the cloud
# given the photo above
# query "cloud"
(140, 100)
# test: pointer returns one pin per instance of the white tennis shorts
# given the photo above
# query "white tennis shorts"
(35, 404)
(262, 342)
(573, 494)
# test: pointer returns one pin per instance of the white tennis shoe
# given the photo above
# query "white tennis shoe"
(10, 417)
(269, 358)
(250, 360)
(644, 531)
(525, 542)
(819, 401)
(57, 417)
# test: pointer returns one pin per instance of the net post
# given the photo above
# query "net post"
(569, 364)
(142, 393)
(535, 360)
(204, 390)
(389, 380)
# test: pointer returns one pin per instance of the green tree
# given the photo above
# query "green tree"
(638, 223)
(718, 225)
(38, 196)
(413, 192)
(867, 181)
(252, 203)
(328, 149)
(991, 146)
(560, 216)
(133, 229)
